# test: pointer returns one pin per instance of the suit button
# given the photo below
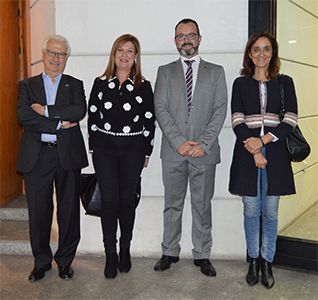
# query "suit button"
(121, 93)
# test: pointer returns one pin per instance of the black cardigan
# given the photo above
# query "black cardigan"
(246, 104)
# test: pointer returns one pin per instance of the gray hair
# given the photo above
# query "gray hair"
(58, 38)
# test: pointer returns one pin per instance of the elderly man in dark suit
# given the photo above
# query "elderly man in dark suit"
(190, 105)
(52, 153)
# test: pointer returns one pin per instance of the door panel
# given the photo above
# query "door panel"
(10, 181)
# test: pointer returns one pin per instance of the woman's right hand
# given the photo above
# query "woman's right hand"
(253, 144)
(260, 160)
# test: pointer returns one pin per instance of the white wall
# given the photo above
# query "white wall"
(91, 27)
(42, 23)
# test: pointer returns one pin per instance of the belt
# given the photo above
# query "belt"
(49, 144)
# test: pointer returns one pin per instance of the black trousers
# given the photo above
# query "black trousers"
(118, 162)
(39, 184)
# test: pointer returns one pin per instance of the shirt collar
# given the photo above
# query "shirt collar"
(46, 77)
(131, 79)
(196, 58)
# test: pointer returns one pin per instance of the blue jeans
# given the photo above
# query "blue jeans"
(267, 207)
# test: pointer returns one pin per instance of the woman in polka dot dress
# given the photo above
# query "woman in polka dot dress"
(121, 126)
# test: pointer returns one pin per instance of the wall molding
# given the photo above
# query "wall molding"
(215, 198)
(299, 62)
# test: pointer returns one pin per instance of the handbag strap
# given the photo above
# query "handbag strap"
(282, 94)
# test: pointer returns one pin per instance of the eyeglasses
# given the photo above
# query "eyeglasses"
(59, 55)
(191, 36)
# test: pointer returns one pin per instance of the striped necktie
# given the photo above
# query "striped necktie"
(189, 82)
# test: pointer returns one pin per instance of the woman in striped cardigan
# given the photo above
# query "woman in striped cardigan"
(261, 169)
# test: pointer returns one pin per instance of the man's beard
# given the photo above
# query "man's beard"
(188, 52)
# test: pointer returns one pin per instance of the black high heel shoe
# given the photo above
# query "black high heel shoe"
(253, 271)
(110, 270)
(124, 260)
(267, 274)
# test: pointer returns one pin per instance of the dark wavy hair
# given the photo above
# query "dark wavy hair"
(136, 68)
(248, 65)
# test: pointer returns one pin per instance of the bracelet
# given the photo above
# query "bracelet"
(263, 144)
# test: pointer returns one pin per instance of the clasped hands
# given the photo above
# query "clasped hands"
(253, 145)
(40, 109)
(190, 148)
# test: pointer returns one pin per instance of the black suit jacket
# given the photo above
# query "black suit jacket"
(70, 105)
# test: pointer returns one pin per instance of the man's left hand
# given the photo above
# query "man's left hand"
(196, 151)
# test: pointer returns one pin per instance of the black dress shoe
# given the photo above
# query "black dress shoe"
(253, 270)
(165, 262)
(65, 272)
(206, 267)
(124, 260)
(267, 274)
(38, 273)
(111, 266)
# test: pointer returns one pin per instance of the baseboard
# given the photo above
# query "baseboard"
(297, 253)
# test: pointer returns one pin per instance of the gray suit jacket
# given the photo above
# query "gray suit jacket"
(207, 115)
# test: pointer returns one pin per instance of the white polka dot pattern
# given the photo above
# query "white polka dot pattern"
(127, 107)
(148, 115)
(93, 108)
(129, 87)
(108, 105)
(146, 133)
(107, 126)
(122, 110)
(138, 99)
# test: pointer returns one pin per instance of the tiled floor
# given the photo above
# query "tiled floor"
(183, 281)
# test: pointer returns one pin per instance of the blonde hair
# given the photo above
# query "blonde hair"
(136, 68)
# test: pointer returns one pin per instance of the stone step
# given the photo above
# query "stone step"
(14, 229)
(14, 237)
(15, 210)
(15, 247)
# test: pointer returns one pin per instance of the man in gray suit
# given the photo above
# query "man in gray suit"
(190, 105)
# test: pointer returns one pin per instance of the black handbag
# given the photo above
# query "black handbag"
(297, 146)
(90, 194)
(91, 197)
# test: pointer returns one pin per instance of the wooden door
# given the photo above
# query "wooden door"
(10, 181)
